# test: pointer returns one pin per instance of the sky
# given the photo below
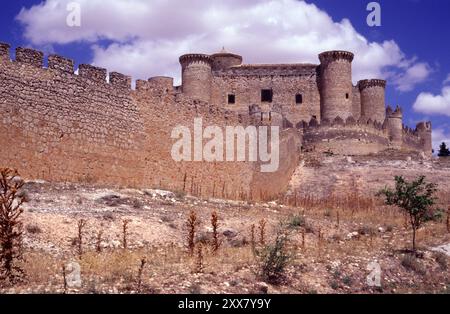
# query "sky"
(144, 38)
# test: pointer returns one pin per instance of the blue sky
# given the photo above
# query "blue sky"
(143, 38)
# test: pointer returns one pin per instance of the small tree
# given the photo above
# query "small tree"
(11, 201)
(444, 151)
(273, 258)
(416, 198)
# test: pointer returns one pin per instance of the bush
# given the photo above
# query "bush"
(296, 221)
(410, 262)
(441, 259)
(367, 230)
(275, 257)
(33, 229)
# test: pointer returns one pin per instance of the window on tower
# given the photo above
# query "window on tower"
(299, 99)
(231, 99)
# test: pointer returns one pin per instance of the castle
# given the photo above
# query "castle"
(60, 126)
(320, 100)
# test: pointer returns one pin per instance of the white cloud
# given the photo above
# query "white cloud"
(149, 35)
(447, 80)
(439, 136)
(428, 103)
(413, 75)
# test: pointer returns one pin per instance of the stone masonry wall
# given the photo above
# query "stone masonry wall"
(346, 140)
(246, 83)
(59, 126)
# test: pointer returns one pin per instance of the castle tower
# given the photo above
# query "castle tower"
(225, 60)
(336, 86)
(197, 76)
(394, 121)
(372, 100)
(424, 131)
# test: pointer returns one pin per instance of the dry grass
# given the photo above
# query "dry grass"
(318, 238)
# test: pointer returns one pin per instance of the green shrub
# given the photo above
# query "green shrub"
(273, 258)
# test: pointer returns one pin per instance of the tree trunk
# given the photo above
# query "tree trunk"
(414, 239)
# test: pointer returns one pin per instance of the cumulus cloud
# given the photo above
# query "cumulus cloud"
(429, 103)
(147, 36)
(412, 75)
(440, 136)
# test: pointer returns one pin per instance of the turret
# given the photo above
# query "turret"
(423, 130)
(225, 60)
(336, 84)
(4, 51)
(197, 76)
(372, 100)
(394, 121)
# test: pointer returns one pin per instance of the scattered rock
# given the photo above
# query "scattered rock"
(159, 194)
(352, 235)
(443, 249)
(230, 233)
(262, 288)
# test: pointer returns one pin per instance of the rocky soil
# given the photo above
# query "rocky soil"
(335, 250)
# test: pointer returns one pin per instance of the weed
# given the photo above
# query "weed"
(410, 262)
(33, 229)
(191, 225)
(262, 231)
(10, 224)
(125, 233)
(81, 225)
(141, 271)
(215, 226)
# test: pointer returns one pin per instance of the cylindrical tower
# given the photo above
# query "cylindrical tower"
(395, 126)
(336, 86)
(197, 76)
(424, 131)
(225, 60)
(373, 100)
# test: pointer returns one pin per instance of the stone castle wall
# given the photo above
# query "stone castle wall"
(357, 137)
(246, 82)
(348, 138)
(59, 126)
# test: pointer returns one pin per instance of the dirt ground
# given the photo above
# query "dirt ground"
(334, 249)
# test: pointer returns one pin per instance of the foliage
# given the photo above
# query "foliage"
(273, 258)
(416, 198)
(443, 150)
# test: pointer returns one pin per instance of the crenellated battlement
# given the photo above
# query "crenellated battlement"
(93, 73)
(397, 113)
(120, 80)
(30, 56)
(59, 63)
(363, 84)
(196, 58)
(424, 126)
(330, 56)
(338, 122)
(4, 51)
